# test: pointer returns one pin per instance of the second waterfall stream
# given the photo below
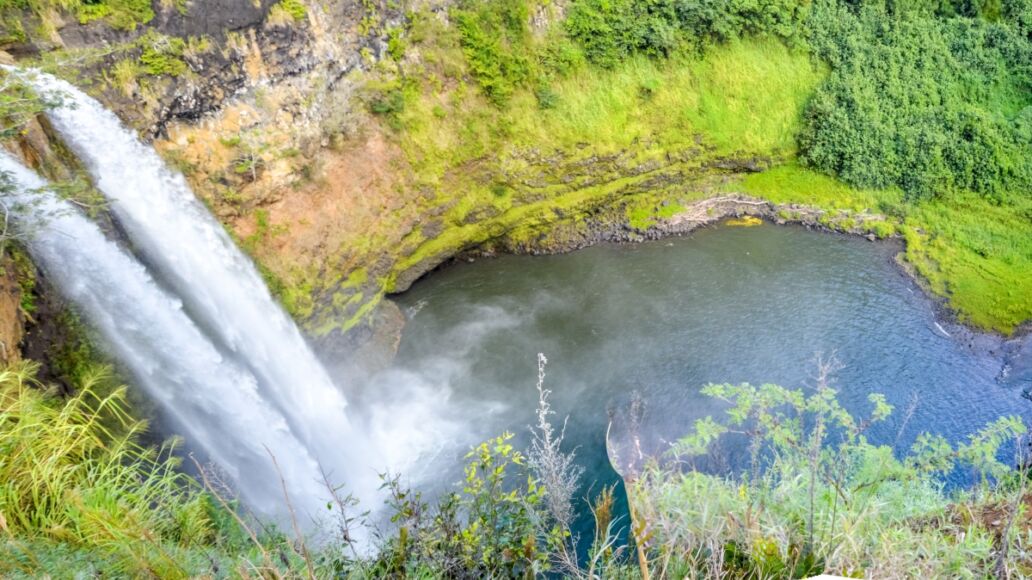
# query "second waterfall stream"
(223, 296)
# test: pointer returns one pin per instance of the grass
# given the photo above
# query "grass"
(974, 252)
(792, 184)
(754, 90)
(81, 496)
(745, 97)
(978, 255)
(728, 98)
(73, 473)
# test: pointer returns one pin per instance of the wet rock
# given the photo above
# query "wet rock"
(373, 346)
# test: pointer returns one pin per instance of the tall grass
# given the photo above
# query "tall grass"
(72, 473)
(78, 496)
(742, 97)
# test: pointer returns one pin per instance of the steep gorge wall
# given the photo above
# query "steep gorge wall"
(247, 70)
(268, 118)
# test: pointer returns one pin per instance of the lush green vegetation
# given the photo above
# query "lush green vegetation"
(933, 106)
(162, 55)
(818, 496)
(611, 31)
(745, 97)
(80, 494)
(21, 20)
(930, 97)
(495, 40)
(919, 111)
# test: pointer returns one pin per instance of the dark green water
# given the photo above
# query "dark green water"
(665, 318)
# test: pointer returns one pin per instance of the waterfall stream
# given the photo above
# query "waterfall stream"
(269, 380)
(214, 401)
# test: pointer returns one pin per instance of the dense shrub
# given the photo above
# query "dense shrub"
(493, 529)
(495, 40)
(931, 96)
(612, 30)
(929, 105)
(818, 496)
(163, 55)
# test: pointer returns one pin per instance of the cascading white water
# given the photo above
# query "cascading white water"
(214, 401)
(218, 284)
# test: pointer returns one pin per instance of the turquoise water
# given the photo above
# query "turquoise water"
(665, 318)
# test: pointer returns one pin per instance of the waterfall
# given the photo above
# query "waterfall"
(192, 252)
(213, 401)
(218, 284)
(220, 288)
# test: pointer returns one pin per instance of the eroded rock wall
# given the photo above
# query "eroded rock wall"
(268, 119)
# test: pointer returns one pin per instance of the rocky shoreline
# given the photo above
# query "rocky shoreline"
(380, 340)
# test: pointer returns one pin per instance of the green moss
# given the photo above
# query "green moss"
(25, 273)
(669, 210)
(644, 211)
(120, 14)
(163, 55)
(330, 323)
(297, 300)
(882, 229)
(73, 356)
(790, 183)
(356, 278)
(640, 218)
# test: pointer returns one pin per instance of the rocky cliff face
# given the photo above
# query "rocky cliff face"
(12, 316)
(244, 96)
(265, 107)
(192, 58)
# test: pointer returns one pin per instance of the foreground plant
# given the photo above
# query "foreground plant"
(512, 518)
(80, 495)
(819, 497)
(72, 472)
